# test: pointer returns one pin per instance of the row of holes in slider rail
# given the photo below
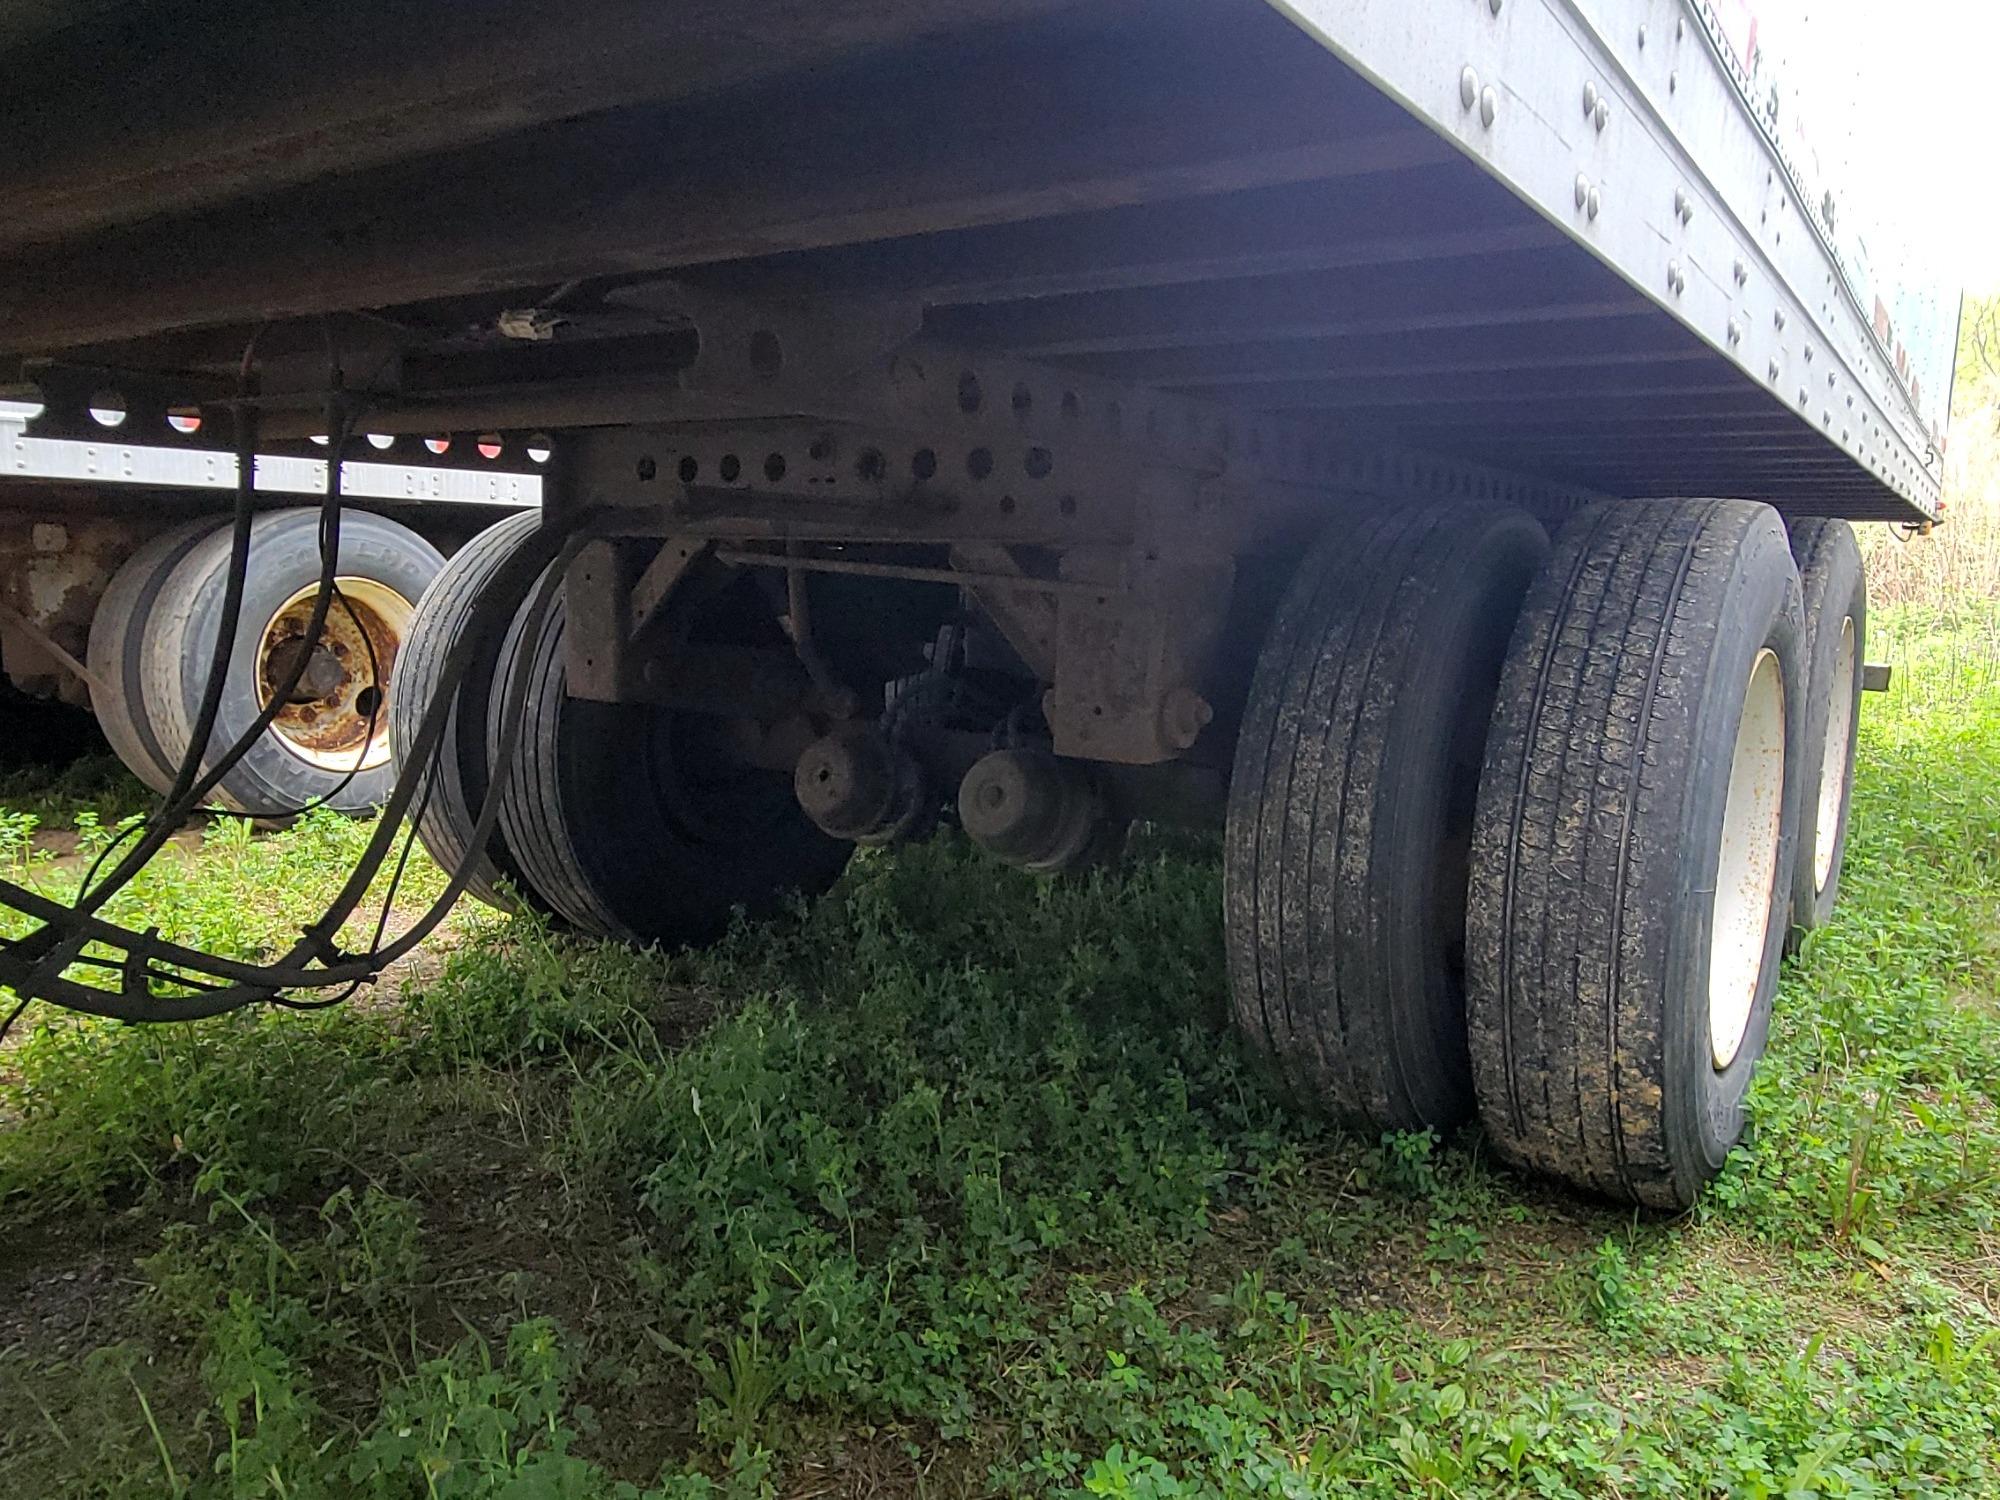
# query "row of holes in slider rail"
(106, 410)
(1160, 423)
(871, 465)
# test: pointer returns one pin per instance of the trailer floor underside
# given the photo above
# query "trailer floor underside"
(1195, 198)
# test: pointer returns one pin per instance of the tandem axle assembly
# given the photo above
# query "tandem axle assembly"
(1511, 777)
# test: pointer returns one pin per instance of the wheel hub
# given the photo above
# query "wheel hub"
(336, 716)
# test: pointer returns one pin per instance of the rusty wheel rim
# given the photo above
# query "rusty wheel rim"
(337, 718)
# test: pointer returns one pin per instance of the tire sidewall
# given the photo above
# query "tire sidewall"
(448, 806)
(1834, 590)
(1704, 1106)
(119, 630)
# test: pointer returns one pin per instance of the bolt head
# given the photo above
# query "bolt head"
(1184, 713)
(1590, 209)
(1590, 98)
(1601, 116)
(1468, 86)
(1489, 106)
(1735, 332)
(1582, 189)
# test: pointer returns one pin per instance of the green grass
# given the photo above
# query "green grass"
(954, 1184)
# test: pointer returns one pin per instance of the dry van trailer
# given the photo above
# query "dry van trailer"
(1040, 416)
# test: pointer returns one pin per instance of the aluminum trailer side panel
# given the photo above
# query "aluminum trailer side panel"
(1624, 124)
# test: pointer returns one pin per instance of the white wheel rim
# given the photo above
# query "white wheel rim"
(338, 719)
(1833, 760)
(1746, 873)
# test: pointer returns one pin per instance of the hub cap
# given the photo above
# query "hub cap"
(337, 717)
(1746, 873)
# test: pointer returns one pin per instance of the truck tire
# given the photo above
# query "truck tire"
(1632, 850)
(1835, 591)
(1350, 808)
(118, 630)
(309, 755)
(447, 808)
(633, 821)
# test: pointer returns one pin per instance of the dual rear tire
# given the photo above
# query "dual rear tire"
(153, 636)
(1632, 852)
(1576, 928)
(635, 821)
(1351, 804)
